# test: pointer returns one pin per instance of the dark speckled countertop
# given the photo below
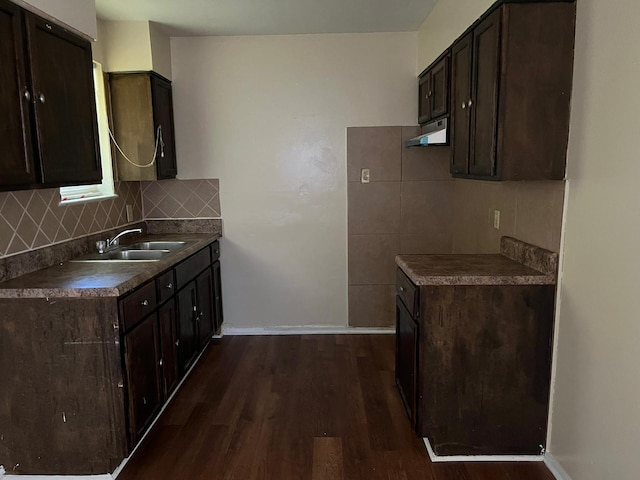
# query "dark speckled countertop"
(519, 263)
(101, 279)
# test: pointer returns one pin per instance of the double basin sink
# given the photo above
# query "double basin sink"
(142, 251)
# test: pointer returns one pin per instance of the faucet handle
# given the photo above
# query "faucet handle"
(101, 245)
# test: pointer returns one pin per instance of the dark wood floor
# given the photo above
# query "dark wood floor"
(321, 407)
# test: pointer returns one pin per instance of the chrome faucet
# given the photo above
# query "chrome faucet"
(112, 243)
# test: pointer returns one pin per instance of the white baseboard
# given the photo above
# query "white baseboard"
(105, 476)
(479, 458)
(310, 330)
(555, 468)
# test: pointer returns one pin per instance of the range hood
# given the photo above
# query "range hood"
(434, 133)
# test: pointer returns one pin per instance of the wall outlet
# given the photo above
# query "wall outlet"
(129, 213)
(496, 219)
(365, 176)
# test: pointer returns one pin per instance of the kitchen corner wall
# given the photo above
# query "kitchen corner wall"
(31, 219)
(406, 208)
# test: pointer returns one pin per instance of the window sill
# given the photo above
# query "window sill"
(76, 201)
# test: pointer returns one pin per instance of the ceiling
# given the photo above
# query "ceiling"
(270, 17)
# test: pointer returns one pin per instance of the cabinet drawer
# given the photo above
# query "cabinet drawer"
(215, 251)
(166, 286)
(408, 292)
(135, 306)
(192, 266)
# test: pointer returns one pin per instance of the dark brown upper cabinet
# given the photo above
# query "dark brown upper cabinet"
(433, 91)
(50, 132)
(142, 111)
(511, 78)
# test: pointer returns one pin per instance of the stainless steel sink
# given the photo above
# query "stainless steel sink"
(125, 256)
(171, 246)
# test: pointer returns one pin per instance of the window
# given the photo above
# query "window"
(99, 191)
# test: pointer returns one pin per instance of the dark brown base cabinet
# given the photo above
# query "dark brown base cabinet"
(482, 369)
(83, 378)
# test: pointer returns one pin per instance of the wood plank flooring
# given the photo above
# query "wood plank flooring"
(317, 407)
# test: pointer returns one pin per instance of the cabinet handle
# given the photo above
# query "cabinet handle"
(42, 98)
(27, 95)
(48, 26)
(160, 362)
(120, 385)
(144, 400)
(178, 343)
(169, 286)
(469, 103)
(195, 308)
(430, 93)
(145, 303)
(402, 289)
(464, 105)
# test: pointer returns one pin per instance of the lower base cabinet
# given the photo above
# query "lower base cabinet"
(168, 347)
(142, 358)
(406, 358)
(86, 376)
(480, 381)
(164, 332)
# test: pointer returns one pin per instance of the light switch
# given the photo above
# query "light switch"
(364, 175)
(496, 219)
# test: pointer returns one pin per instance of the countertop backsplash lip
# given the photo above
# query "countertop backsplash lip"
(516, 265)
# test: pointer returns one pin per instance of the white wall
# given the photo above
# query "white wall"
(267, 115)
(78, 14)
(596, 408)
(446, 22)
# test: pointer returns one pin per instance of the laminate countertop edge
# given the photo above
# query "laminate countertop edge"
(483, 269)
(102, 279)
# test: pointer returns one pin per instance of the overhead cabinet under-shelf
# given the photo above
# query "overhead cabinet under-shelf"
(511, 78)
(142, 112)
(49, 134)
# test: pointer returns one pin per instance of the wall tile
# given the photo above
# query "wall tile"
(372, 305)
(372, 259)
(427, 207)
(181, 199)
(374, 207)
(539, 213)
(33, 218)
(375, 148)
(424, 244)
(428, 163)
(529, 211)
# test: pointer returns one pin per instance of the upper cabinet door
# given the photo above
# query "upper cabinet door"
(461, 59)
(16, 161)
(484, 106)
(163, 126)
(65, 110)
(424, 100)
(440, 88)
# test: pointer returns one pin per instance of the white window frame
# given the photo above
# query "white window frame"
(105, 189)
